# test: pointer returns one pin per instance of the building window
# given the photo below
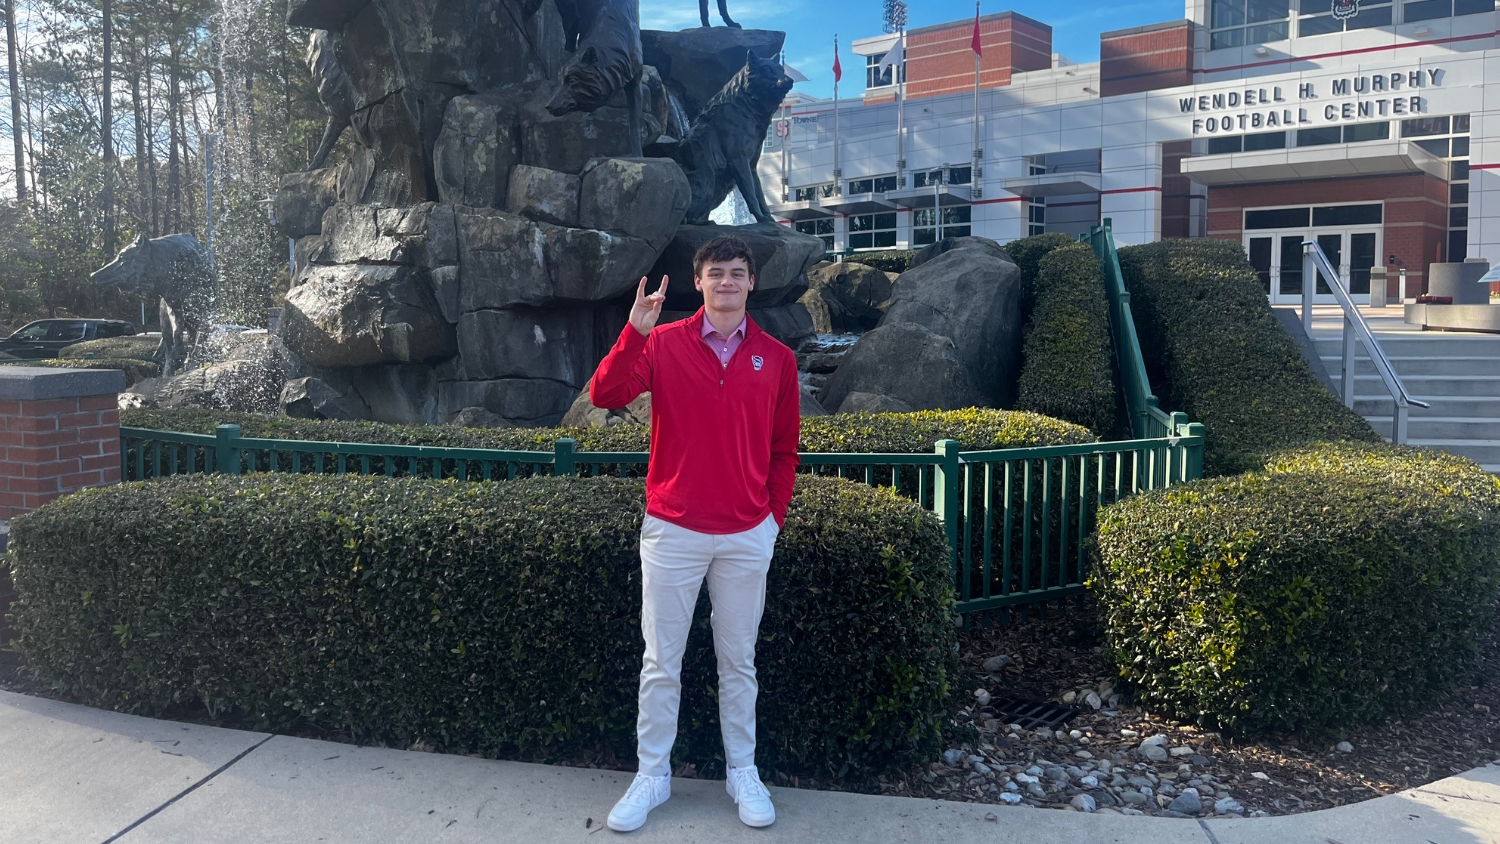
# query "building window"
(874, 78)
(812, 192)
(1247, 143)
(1350, 134)
(1035, 230)
(953, 222)
(872, 231)
(1427, 126)
(1237, 23)
(821, 228)
(1319, 20)
(1426, 10)
(879, 184)
(928, 178)
(1347, 215)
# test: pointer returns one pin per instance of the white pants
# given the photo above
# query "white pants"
(674, 562)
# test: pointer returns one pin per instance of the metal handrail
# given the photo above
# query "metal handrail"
(1315, 261)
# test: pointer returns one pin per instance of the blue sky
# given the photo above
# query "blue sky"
(810, 26)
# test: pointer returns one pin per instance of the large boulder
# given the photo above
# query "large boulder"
(555, 343)
(695, 63)
(302, 199)
(782, 259)
(950, 244)
(360, 314)
(421, 234)
(789, 323)
(476, 149)
(906, 362)
(545, 195)
(313, 398)
(400, 394)
(583, 413)
(638, 197)
(973, 297)
(818, 310)
(523, 402)
(855, 296)
(507, 260)
(241, 386)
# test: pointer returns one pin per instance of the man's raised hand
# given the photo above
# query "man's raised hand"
(647, 309)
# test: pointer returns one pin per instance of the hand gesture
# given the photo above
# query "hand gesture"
(647, 309)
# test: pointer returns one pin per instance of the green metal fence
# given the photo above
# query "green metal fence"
(1017, 519)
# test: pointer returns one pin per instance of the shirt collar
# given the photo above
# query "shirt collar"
(708, 328)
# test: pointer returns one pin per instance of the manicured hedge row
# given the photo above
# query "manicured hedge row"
(493, 618)
(1214, 349)
(135, 370)
(1069, 367)
(976, 428)
(1348, 583)
(1027, 253)
(892, 261)
(135, 347)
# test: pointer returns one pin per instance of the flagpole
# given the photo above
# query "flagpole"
(976, 189)
(900, 109)
(838, 174)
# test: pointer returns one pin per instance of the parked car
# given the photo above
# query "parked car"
(46, 337)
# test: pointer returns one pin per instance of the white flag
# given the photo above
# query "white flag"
(795, 74)
(895, 55)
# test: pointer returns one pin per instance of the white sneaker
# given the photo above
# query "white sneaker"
(750, 793)
(644, 794)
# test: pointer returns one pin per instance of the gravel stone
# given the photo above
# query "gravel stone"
(1010, 797)
(1187, 802)
(1228, 806)
(996, 664)
(1134, 798)
(953, 757)
(982, 697)
(1344, 747)
(1083, 803)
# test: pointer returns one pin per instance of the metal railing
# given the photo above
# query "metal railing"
(1017, 519)
(1314, 262)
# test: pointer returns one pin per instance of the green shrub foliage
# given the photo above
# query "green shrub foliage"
(976, 428)
(892, 261)
(1027, 253)
(136, 347)
(1214, 350)
(1346, 584)
(1069, 368)
(135, 371)
(499, 618)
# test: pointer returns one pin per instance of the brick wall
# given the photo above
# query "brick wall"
(56, 443)
(1416, 216)
(940, 60)
(1146, 58)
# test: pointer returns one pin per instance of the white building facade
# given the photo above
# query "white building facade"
(1260, 121)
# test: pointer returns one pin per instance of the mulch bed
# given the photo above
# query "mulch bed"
(1049, 658)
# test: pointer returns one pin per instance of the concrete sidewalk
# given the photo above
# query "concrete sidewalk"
(73, 774)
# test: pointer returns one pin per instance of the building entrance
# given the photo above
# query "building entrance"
(1274, 236)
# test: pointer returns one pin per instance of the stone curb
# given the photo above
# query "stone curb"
(79, 774)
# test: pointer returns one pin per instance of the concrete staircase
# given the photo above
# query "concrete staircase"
(1458, 374)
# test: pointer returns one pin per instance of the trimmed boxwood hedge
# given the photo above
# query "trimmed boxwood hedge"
(135, 371)
(1027, 253)
(135, 347)
(892, 261)
(1069, 366)
(1347, 583)
(976, 428)
(1214, 350)
(498, 618)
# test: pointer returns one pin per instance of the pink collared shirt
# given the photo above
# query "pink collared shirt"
(723, 346)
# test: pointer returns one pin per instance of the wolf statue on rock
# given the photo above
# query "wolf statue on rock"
(174, 269)
(723, 148)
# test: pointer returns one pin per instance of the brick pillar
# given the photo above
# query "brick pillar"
(60, 429)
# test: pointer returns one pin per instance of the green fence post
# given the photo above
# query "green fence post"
(948, 496)
(226, 451)
(1194, 466)
(562, 456)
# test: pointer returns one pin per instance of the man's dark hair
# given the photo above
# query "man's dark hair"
(725, 247)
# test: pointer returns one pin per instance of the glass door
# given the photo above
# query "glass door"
(1289, 268)
(1277, 258)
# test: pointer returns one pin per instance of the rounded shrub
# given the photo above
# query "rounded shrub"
(892, 260)
(135, 371)
(1214, 349)
(1069, 364)
(1341, 586)
(498, 618)
(1027, 253)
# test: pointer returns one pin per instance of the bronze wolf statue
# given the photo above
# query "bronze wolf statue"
(723, 13)
(724, 145)
(605, 40)
(174, 268)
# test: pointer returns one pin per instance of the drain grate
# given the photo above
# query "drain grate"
(1033, 714)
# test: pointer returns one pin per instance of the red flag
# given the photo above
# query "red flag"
(838, 72)
(975, 42)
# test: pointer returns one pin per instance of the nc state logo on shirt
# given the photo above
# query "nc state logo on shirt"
(758, 361)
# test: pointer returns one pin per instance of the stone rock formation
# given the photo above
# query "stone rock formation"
(312, 398)
(906, 362)
(847, 297)
(872, 403)
(474, 255)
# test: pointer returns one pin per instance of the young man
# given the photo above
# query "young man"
(724, 426)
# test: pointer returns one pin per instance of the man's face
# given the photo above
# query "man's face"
(725, 284)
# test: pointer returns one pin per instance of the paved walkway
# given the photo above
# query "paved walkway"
(73, 774)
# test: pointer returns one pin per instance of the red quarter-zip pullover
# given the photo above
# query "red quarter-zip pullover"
(723, 436)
